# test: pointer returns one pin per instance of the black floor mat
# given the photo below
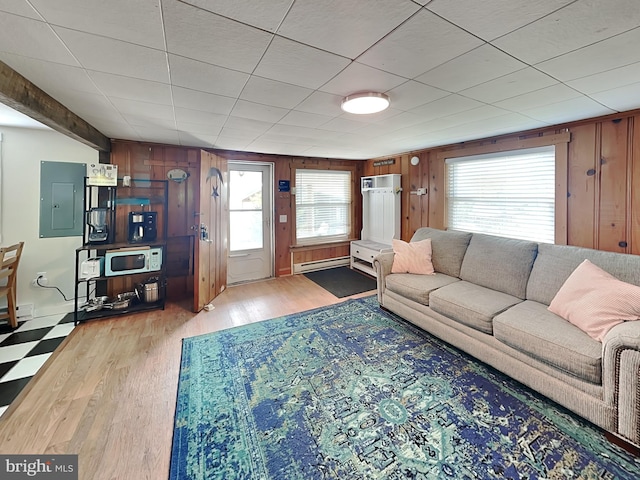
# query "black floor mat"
(342, 281)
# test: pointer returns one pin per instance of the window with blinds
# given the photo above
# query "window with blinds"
(509, 194)
(323, 205)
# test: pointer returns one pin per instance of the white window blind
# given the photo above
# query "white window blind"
(323, 205)
(509, 194)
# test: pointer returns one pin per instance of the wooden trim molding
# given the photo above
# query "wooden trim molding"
(20, 94)
(504, 146)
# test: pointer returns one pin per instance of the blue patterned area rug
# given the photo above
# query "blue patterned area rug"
(352, 392)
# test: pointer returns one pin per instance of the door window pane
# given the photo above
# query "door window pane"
(245, 210)
(245, 230)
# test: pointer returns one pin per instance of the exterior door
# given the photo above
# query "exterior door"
(210, 275)
(250, 222)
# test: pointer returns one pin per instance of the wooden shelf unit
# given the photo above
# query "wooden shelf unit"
(381, 203)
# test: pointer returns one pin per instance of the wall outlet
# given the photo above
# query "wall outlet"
(43, 279)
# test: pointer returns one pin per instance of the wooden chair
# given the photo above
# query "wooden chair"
(9, 260)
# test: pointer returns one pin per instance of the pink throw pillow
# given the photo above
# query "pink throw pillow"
(595, 301)
(413, 257)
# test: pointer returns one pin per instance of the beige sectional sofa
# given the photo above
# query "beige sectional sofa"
(489, 298)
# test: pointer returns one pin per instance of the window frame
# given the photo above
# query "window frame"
(352, 209)
(559, 140)
(482, 190)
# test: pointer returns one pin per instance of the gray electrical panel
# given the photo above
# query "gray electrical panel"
(61, 199)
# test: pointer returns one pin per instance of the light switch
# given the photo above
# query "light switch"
(283, 219)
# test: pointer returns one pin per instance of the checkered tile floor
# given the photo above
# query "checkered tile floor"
(24, 350)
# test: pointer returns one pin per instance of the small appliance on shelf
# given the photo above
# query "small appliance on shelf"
(98, 229)
(143, 227)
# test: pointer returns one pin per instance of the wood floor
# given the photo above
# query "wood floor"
(108, 393)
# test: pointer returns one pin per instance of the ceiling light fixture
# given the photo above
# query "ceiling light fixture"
(365, 103)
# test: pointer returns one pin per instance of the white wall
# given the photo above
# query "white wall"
(22, 151)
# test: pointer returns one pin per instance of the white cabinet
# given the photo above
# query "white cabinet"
(380, 219)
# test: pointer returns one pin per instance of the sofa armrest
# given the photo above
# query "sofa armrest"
(382, 264)
(621, 377)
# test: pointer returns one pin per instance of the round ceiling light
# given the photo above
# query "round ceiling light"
(365, 103)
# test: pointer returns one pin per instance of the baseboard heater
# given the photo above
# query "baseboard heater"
(320, 264)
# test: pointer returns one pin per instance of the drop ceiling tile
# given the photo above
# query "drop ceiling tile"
(87, 105)
(575, 26)
(400, 121)
(304, 132)
(132, 88)
(104, 54)
(606, 55)
(19, 7)
(121, 130)
(508, 123)
(567, 111)
(270, 92)
(412, 94)
(137, 120)
(232, 143)
(210, 130)
(193, 139)
(304, 119)
(422, 43)
(355, 25)
(207, 78)
(621, 98)
(517, 83)
(256, 111)
(342, 124)
(291, 62)
(445, 106)
(329, 151)
(130, 106)
(267, 146)
(252, 127)
(266, 15)
(544, 96)
(206, 102)
(321, 103)
(137, 22)
(32, 38)
(618, 77)
(53, 78)
(186, 115)
(241, 135)
(198, 34)
(485, 62)
(361, 78)
(494, 18)
(158, 135)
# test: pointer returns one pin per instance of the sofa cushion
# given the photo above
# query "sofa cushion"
(532, 329)
(502, 264)
(595, 301)
(555, 263)
(417, 287)
(413, 257)
(471, 304)
(447, 247)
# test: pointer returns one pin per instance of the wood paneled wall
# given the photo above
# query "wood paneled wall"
(602, 180)
(153, 161)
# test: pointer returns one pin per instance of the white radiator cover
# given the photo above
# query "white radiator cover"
(320, 264)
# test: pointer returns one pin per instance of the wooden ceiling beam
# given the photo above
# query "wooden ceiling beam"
(20, 94)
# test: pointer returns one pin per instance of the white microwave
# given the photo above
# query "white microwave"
(125, 261)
